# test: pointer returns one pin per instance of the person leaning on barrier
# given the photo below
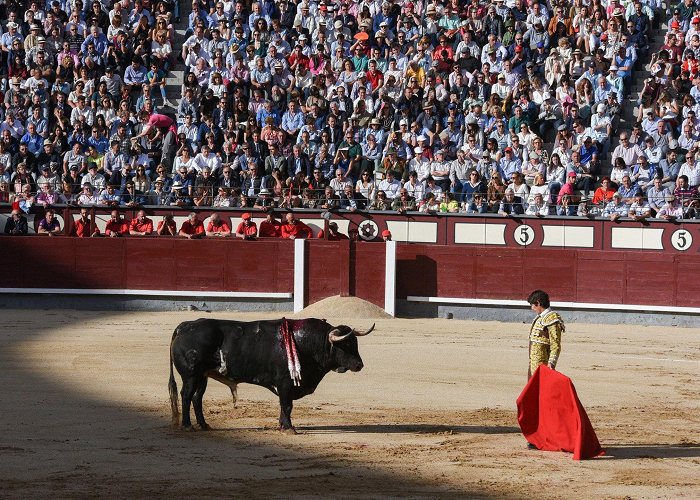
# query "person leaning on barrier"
(49, 225)
(247, 229)
(141, 225)
(671, 210)
(192, 228)
(217, 226)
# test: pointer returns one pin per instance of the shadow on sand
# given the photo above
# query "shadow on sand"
(680, 450)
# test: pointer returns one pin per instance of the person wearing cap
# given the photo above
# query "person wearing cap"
(671, 209)
(247, 229)
(616, 208)
(386, 235)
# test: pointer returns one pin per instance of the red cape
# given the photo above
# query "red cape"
(552, 417)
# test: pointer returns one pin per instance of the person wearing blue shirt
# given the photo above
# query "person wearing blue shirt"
(266, 111)
(624, 65)
(293, 119)
(98, 141)
(35, 143)
(98, 39)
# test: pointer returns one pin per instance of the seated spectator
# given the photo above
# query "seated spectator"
(141, 225)
(47, 196)
(510, 204)
(270, 227)
(627, 190)
(178, 197)
(117, 225)
(671, 209)
(429, 204)
(294, 228)
(217, 226)
(81, 227)
(405, 203)
(166, 226)
(109, 196)
(616, 208)
(390, 185)
(686, 196)
(330, 200)
(16, 224)
(566, 206)
(478, 204)
(657, 194)
(539, 207)
(192, 228)
(247, 229)
(639, 210)
(333, 233)
(49, 225)
(604, 193)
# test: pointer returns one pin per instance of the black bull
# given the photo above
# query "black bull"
(234, 352)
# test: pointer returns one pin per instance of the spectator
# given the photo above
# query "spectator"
(217, 226)
(616, 208)
(141, 225)
(16, 224)
(117, 225)
(83, 227)
(510, 204)
(248, 230)
(166, 226)
(49, 225)
(294, 228)
(192, 228)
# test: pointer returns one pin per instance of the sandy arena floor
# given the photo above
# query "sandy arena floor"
(85, 414)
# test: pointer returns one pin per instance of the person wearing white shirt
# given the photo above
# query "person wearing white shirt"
(390, 185)
(207, 159)
(538, 206)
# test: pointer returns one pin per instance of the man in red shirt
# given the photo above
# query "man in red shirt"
(374, 76)
(217, 226)
(293, 228)
(192, 228)
(141, 225)
(247, 229)
(333, 234)
(117, 226)
(297, 58)
(81, 226)
(269, 228)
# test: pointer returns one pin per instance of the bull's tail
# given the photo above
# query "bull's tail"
(172, 388)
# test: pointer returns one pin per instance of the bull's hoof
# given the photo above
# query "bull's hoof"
(205, 427)
(288, 430)
(188, 428)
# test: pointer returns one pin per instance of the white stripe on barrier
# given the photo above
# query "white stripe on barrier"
(299, 274)
(151, 293)
(560, 305)
(390, 279)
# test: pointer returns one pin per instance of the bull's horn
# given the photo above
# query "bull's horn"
(334, 335)
(361, 334)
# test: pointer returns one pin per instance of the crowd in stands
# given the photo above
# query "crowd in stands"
(501, 106)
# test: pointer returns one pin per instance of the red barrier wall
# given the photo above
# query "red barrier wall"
(149, 263)
(576, 260)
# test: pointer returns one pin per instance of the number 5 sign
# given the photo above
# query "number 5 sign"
(524, 235)
(681, 240)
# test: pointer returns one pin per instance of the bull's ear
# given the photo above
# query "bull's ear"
(335, 335)
(362, 334)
